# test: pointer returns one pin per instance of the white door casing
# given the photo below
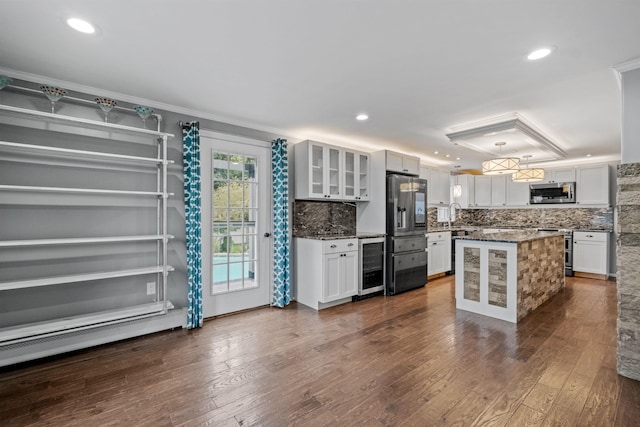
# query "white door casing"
(236, 221)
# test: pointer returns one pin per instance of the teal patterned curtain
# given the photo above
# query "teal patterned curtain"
(281, 243)
(191, 163)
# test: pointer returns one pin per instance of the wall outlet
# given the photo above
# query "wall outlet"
(151, 288)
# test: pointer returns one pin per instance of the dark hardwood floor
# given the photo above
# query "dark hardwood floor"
(407, 360)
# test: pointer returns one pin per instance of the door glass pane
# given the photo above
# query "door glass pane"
(250, 169)
(250, 274)
(220, 194)
(220, 167)
(234, 229)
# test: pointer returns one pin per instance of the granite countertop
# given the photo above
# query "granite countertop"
(342, 236)
(516, 236)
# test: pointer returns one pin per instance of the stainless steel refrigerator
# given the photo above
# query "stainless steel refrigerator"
(406, 228)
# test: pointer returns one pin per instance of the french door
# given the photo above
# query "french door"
(236, 221)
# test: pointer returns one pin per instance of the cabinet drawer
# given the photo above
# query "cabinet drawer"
(438, 237)
(593, 236)
(340, 245)
(409, 243)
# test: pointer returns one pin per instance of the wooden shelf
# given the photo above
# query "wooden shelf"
(79, 240)
(11, 335)
(74, 278)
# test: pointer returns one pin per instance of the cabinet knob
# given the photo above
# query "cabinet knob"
(267, 234)
(589, 235)
(350, 244)
(333, 246)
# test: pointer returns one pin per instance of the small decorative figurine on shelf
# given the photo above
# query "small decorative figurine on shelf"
(53, 94)
(144, 112)
(106, 105)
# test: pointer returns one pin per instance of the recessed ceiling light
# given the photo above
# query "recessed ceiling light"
(81, 25)
(457, 158)
(362, 117)
(435, 152)
(447, 156)
(588, 155)
(539, 53)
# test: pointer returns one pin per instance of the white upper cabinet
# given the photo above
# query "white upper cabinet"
(467, 190)
(438, 186)
(560, 175)
(318, 171)
(592, 185)
(517, 193)
(483, 191)
(402, 163)
(356, 175)
(327, 172)
(499, 190)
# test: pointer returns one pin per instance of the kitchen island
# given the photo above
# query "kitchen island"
(507, 275)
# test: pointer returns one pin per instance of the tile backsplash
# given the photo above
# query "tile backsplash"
(311, 218)
(571, 218)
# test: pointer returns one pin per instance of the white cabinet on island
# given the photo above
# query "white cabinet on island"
(326, 271)
(508, 275)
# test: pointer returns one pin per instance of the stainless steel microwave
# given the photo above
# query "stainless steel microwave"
(552, 192)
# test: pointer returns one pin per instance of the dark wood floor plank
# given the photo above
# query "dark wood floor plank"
(410, 359)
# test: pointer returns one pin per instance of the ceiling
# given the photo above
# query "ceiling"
(305, 69)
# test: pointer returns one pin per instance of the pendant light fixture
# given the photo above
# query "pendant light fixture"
(528, 174)
(457, 188)
(500, 165)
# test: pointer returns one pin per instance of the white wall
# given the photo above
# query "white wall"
(631, 108)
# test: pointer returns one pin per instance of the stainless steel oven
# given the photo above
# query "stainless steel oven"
(553, 192)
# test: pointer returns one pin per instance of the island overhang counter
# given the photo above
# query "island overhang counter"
(507, 275)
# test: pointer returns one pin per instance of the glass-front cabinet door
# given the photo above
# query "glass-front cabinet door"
(356, 176)
(349, 191)
(317, 173)
(363, 176)
(334, 173)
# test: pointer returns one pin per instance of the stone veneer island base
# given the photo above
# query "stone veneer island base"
(508, 275)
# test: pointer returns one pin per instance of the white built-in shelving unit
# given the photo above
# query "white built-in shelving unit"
(56, 123)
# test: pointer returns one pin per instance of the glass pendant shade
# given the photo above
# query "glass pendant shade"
(457, 191)
(501, 165)
(528, 175)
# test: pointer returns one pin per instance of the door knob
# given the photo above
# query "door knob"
(267, 234)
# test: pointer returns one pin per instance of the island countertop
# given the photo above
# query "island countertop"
(515, 236)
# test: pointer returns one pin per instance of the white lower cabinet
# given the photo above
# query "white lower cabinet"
(326, 271)
(439, 252)
(590, 252)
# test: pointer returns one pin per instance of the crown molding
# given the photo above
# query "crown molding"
(634, 64)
